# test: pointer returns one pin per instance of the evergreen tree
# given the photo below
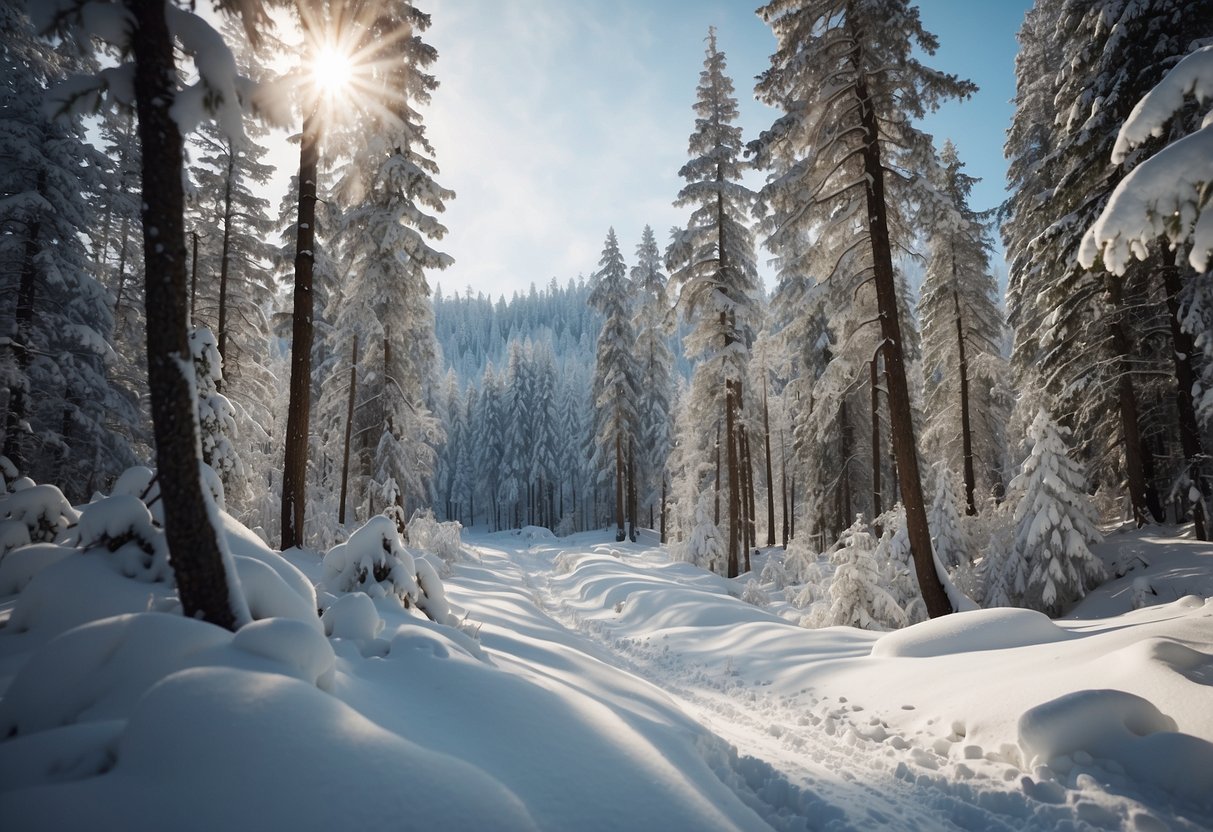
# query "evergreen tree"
(1055, 523)
(857, 598)
(216, 416)
(845, 77)
(962, 337)
(712, 263)
(614, 391)
(391, 201)
(948, 533)
(65, 420)
(654, 326)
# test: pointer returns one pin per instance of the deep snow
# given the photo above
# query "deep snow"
(596, 685)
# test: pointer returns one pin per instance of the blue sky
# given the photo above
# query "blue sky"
(557, 119)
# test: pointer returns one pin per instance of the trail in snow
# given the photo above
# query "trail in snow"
(817, 761)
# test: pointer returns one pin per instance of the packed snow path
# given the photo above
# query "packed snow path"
(808, 756)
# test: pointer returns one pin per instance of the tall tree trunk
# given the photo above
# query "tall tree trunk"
(16, 427)
(900, 413)
(1127, 402)
(194, 280)
(766, 435)
(1185, 378)
(716, 493)
(349, 432)
(751, 501)
(966, 426)
(846, 439)
(873, 383)
(119, 313)
(783, 487)
(619, 478)
(734, 498)
(663, 494)
(632, 533)
(196, 557)
(298, 414)
(225, 253)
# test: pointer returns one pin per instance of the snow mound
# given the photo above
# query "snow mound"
(969, 632)
(1128, 730)
(373, 561)
(290, 777)
(294, 644)
(353, 616)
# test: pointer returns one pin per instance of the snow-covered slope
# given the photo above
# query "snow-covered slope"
(591, 685)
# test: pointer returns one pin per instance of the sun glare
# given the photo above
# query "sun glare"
(332, 70)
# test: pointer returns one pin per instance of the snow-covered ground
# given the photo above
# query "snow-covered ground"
(597, 685)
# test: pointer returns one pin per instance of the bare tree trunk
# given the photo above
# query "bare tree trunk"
(194, 280)
(663, 497)
(632, 533)
(716, 493)
(900, 413)
(734, 498)
(619, 477)
(349, 432)
(783, 488)
(298, 414)
(225, 253)
(966, 426)
(766, 435)
(1127, 402)
(877, 507)
(1185, 378)
(202, 581)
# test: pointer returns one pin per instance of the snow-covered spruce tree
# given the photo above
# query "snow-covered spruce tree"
(216, 416)
(391, 202)
(850, 88)
(857, 597)
(896, 564)
(615, 378)
(145, 30)
(1163, 196)
(654, 324)
(516, 435)
(711, 261)
(962, 336)
(1077, 333)
(489, 442)
(1054, 522)
(543, 469)
(65, 419)
(948, 532)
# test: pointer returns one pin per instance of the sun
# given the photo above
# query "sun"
(332, 71)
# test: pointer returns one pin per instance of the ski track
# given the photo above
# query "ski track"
(804, 762)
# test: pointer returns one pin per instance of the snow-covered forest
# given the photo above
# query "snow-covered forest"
(806, 513)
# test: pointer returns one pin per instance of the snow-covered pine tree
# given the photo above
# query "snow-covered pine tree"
(711, 261)
(65, 421)
(654, 324)
(846, 78)
(391, 202)
(614, 392)
(217, 428)
(948, 532)
(1054, 522)
(962, 339)
(489, 443)
(857, 597)
(543, 468)
(896, 564)
(1107, 382)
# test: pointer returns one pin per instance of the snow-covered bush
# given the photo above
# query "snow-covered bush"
(773, 571)
(376, 562)
(1054, 522)
(799, 560)
(8, 473)
(857, 598)
(42, 509)
(704, 547)
(948, 531)
(122, 525)
(426, 533)
(754, 594)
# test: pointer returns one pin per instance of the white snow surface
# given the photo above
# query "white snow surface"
(599, 685)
